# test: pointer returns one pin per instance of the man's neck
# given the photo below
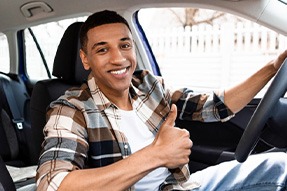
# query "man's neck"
(121, 100)
(123, 103)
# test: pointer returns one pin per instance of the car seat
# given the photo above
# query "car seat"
(16, 146)
(15, 127)
(6, 182)
(69, 72)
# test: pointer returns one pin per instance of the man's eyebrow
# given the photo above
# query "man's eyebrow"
(125, 39)
(103, 43)
(98, 44)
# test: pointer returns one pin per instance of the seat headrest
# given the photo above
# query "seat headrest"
(67, 63)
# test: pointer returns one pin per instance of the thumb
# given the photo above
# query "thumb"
(171, 116)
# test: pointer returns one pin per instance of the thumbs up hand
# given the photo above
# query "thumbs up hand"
(173, 143)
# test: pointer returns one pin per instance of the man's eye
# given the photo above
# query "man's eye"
(102, 50)
(125, 46)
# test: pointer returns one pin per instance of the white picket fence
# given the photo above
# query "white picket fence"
(235, 37)
(214, 57)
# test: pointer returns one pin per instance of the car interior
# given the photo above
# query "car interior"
(24, 100)
(6, 182)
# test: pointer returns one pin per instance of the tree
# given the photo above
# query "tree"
(194, 16)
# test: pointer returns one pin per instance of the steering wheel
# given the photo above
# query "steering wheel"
(263, 111)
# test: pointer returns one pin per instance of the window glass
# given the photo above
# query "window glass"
(4, 54)
(48, 37)
(206, 49)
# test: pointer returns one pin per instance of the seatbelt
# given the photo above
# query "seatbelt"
(17, 118)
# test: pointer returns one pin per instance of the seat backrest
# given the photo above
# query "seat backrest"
(14, 149)
(69, 71)
(6, 182)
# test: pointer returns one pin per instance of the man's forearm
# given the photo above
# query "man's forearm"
(240, 95)
(118, 176)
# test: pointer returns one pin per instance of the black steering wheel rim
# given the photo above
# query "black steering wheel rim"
(263, 111)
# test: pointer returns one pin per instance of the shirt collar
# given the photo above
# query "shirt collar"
(101, 101)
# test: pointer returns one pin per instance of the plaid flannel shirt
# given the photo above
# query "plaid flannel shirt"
(82, 130)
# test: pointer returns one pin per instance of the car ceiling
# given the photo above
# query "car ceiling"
(13, 18)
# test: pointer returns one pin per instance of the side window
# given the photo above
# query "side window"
(48, 37)
(206, 49)
(4, 54)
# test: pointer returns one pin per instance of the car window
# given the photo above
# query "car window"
(207, 49)
(48, 37)
(4, 54)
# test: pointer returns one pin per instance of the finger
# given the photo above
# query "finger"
(185, 133)
(172, 115)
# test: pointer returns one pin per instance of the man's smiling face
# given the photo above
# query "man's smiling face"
(111, 55)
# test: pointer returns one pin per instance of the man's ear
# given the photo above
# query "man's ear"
(84, 60)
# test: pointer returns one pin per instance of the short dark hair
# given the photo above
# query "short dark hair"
(97, 19)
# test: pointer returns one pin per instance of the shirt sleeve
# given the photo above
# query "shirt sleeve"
(64, 148)
(200, 106)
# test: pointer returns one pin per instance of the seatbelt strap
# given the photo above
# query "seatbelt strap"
(17, 118)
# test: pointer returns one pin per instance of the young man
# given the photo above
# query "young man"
(117, 131)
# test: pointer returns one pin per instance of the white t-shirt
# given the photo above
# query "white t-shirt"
(139, 136)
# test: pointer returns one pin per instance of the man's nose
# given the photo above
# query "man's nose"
(117, 57)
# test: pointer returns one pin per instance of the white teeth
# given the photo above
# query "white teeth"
(119, 71)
